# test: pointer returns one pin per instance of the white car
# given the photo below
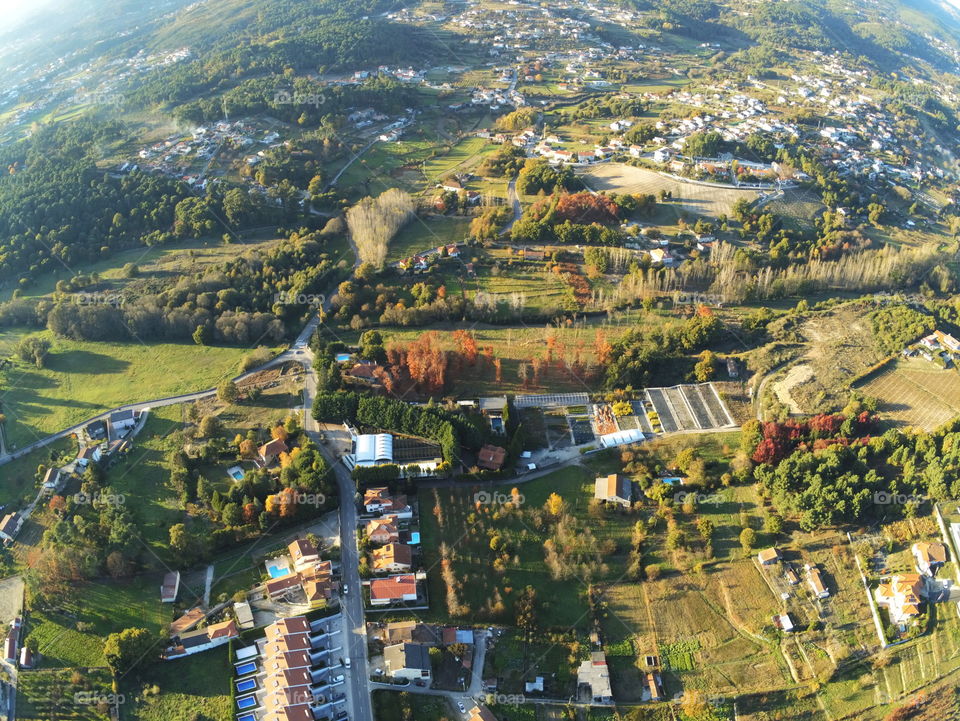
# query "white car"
(346, 662)
(463, 709)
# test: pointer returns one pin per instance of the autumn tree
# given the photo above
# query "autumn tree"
(466, 346)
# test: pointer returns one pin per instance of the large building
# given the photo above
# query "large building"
(382, 449)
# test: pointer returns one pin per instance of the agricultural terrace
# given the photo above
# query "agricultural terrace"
(695, 198)
(425, 232)
(914, 392)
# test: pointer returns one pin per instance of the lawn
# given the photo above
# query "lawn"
(82, 379)
(461, 157)
(424, 233)
(78, 695)
(189, 689)
(20, 476)
(72, 635)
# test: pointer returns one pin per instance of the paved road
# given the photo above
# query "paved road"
(354, 641)
(514, 200)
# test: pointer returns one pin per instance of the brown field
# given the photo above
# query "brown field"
(692, 197)
(915, 392)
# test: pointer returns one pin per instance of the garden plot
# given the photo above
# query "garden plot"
(689, 408)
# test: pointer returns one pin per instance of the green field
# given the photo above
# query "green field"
(461, 157)
(424, 233)
(188, 689)
(72, 635)
(20, 476)
(82, 379)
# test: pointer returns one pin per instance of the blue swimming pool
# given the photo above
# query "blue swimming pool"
(246, 685)
(415, 537)
(246, 702)
(245, 668)
(342, 357)
(247, 717)
(236, 474)
(277, 570)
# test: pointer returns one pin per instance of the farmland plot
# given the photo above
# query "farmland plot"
(914, 392)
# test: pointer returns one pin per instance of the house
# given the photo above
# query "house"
(269, 452)
(406, 632)
(816, 582)
(50, 481)
(662, 155)
(89, 454)
(189, 643)
(595, 674)
(452, 185)
(534, 686)
(97, 430)
(613, 489)
(170, 587)
(494, 408)
(407, 660)
(481, 713)
(791, 575)
(121, 421)
(364, 374)
(636, 151)
(768, 556)
(13, 640)
(783, 622)
(392, 558)
(491, 457)
(187, 621)
(393, 589)
(10, 526)
(379, 500)
(533, 254)
(303, 553)
(26, 658)
(902, 595)
(383, 530)
(930, 557)
(281, 585)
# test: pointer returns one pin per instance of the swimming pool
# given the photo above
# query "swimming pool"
(246, 685)
(342, 357)
(415, 537)
(236, 473)
(247, 717)
(246, 702)
(245, 668)
(277, 567)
